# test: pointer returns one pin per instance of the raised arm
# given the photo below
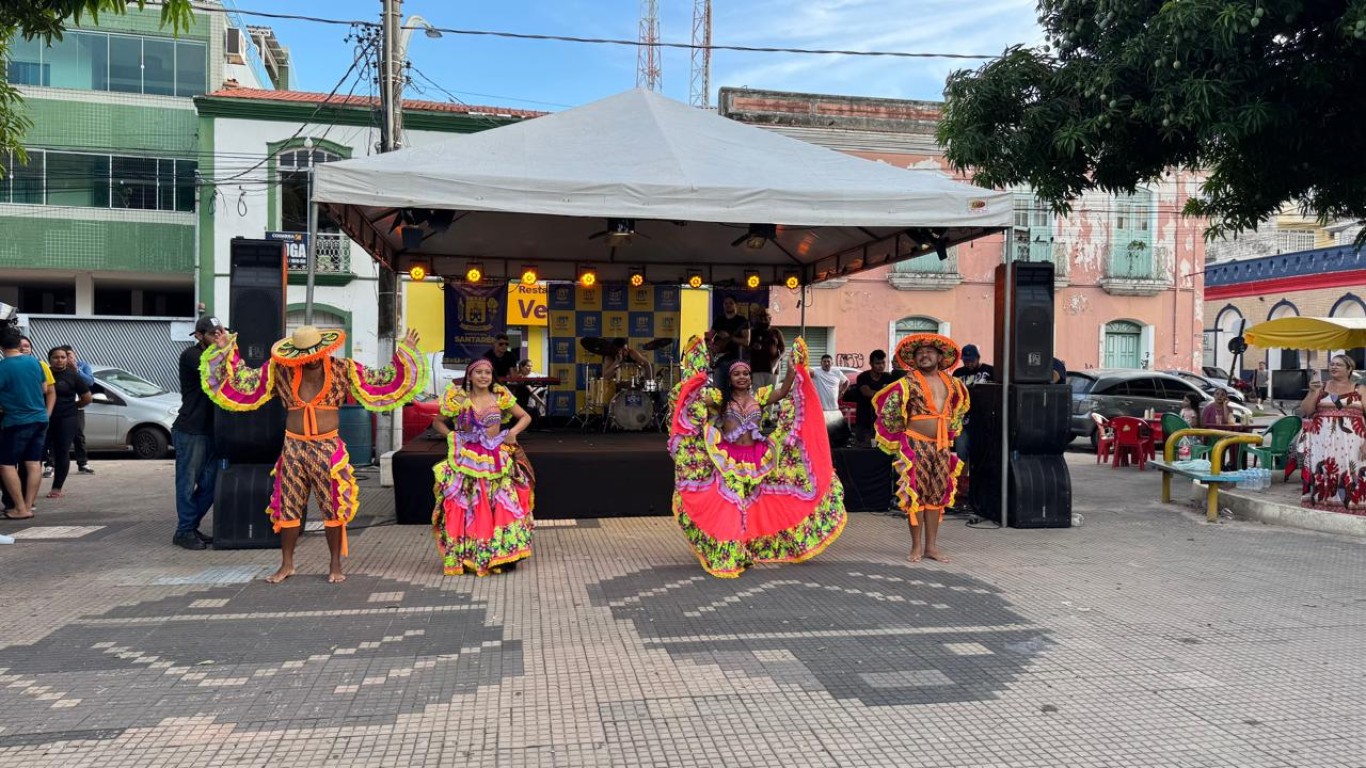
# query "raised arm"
(229, 382)
(390, 387)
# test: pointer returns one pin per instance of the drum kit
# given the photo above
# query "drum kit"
(630, 399)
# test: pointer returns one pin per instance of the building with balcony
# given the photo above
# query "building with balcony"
(261, 146)
(1128, 268)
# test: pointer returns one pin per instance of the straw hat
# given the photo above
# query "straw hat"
(905, 350)
(306, 345)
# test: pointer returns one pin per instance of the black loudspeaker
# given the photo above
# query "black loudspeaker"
(867, 477)
(250, 437)
(1030, 337)
(256, 296)
(1040, 419)
(240, 520)
(1040, 492)
(837, 429)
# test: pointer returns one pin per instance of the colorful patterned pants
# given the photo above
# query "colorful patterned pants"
(929, 482)
(314, 466)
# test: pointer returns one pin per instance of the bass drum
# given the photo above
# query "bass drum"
(631, 410)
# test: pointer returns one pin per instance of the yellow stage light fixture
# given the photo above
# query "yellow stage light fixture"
(752, 280)
(637, 277)
(792, 280)
(694, 278)
(474, 272)
(529, 276)
(417, 272)
(588, 277)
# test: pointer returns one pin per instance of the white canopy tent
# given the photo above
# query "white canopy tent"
(688, 183)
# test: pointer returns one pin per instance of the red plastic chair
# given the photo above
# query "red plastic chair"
(1133, 439)
(1105, 438)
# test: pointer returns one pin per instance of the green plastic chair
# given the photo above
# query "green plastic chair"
(1171, 422)
(1283, 433)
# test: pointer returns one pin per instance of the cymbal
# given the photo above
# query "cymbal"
(597, 345)
(654, 344)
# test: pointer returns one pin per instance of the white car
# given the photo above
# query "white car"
(128, 411)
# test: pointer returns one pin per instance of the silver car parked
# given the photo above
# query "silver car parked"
(127, 411)
(1130, 392)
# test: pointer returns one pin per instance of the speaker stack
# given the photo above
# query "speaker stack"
(249, 443)
(1038, 490)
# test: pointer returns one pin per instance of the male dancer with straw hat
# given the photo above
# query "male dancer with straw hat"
(917, 419)
(311, 383)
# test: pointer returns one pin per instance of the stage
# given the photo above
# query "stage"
(617, 474)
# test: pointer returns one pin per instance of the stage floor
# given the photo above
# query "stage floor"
(617, 474)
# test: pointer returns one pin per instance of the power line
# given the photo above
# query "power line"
(623, 41)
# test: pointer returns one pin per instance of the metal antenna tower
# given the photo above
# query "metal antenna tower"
(699, 87)
(648, 73)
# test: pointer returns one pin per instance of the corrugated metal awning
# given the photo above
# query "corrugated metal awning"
(144, 346)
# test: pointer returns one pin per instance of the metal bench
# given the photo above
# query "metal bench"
(1213, 478)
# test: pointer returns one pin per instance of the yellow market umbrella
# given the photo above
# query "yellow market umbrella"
(1309, 333)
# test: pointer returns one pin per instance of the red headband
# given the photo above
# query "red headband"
(478, 363)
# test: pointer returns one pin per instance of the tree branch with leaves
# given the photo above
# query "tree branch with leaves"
(1261, 97)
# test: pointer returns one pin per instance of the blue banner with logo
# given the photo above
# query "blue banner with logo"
(475, 314)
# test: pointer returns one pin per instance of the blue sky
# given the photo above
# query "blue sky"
(554, 75)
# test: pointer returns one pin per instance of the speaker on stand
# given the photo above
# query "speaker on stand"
(1034, 429)
(249, 443)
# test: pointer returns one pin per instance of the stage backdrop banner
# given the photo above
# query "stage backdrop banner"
(528, 304)
(474, 316)
(610, 311)
(745, 301)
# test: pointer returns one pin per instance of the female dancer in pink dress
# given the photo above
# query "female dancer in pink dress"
(742, 496)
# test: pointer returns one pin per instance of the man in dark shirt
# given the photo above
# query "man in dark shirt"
(973, 370)
(72, 396)
(503, 358)
(732, 322)
(865, 387)
(766, 346)
(196, 467)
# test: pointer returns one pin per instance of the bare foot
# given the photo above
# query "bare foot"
(279, 576)
(915, 554)
(336, 577)
(936, 555)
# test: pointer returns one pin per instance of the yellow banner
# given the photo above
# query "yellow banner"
(528, 304)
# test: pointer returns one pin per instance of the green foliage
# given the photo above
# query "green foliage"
(46, 20)
(1259, 96)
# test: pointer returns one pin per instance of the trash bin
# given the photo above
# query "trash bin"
(357, 428)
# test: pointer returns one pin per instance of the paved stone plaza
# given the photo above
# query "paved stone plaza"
(1144, 638)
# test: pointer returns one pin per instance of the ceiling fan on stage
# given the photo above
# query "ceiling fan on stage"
(757, 237)
(618, 233)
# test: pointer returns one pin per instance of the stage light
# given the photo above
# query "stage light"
(694, 278)
(588, 277)
(417, 272)
(474, 272)
(637, 277)
(752, 280)
(529, 276)
(792, 280)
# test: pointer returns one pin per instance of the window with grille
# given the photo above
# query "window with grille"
(295, 188)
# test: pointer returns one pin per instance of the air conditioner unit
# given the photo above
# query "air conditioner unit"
(236, 48)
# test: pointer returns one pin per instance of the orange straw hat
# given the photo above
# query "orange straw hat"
(904, 357)
(306, 345)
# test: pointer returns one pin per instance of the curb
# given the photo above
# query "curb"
(1253, 507)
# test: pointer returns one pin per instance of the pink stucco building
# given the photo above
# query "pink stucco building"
(1129, 268)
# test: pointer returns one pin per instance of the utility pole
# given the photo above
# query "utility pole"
(390, 85)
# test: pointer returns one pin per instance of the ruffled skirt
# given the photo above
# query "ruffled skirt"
(482, 522)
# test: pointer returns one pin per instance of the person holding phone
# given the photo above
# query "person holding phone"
(1331, 444)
